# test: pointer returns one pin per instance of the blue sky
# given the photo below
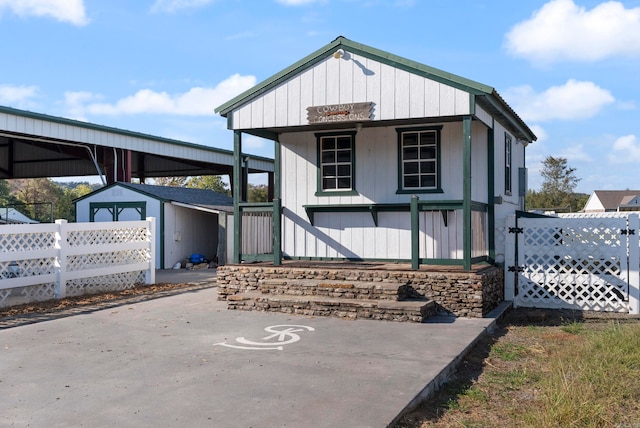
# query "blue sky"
(569, 68)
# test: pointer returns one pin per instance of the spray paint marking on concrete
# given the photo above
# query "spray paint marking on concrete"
(280, 335)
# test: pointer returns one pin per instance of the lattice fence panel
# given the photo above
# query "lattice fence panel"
(15, 242)
(576, 263)
(99, 260)
(39, 292)
(106, 236)
(100, 284)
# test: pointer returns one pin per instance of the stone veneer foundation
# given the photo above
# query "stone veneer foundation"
(468, 294)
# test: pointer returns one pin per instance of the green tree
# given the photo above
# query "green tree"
(211, 182)
(558, 185)
(38, 197)
(258, 193)
(171, 181)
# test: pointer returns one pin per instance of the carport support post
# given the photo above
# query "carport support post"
(237, 195)
(634, 264)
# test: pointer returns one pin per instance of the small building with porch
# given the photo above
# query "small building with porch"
(382, 159)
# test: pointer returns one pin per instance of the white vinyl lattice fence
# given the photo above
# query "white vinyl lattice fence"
(588, 262)
(46, 261)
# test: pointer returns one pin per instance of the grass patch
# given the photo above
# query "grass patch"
(566, 374)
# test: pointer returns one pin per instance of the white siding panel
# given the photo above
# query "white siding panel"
(374, 87)
(332, 82)
(319, 85)
(269, 112)
(281, 105)
(479, 163)
(447, 100)
(387, 92)
(402, 94)
(462, 102)
(257, 113)
(306, 96)
(345, 90)
(416, 96)
(431, 98)
(483, 116)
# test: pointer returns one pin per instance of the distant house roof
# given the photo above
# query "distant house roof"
(11, 215)
(612, 200)
(205, 198)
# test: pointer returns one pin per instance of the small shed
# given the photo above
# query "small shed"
(13, 216)
(382, 158)
(188, 220)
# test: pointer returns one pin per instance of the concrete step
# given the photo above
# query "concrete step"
(313, 305)
(395, 291)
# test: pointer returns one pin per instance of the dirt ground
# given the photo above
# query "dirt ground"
(37, 311)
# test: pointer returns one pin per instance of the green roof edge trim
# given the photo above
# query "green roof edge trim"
(124, 132)
(364, 50)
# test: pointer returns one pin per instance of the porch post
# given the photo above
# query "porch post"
(466, 192)
(277, 205)
(237, 196)
(415, 234)
(491, 211)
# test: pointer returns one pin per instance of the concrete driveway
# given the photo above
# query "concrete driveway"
(184, 360)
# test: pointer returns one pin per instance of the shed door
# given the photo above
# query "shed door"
(117, 211)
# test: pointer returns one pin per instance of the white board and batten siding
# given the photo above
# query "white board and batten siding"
(121, 194)
(188, 231)
(395, 94)
(338, 235)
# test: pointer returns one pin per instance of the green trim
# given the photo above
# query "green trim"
(508, 155)
(277, 202)
(491, 209)
(433, 262)
(256, 257)
(237, 186)
(374, 209)
(497, 106)
(359, 49)
(319, 190)
(415, 234)
(466, 192)
(116, 208)
(438, 188)
(479, 206)
(337, 193)
(418, 192)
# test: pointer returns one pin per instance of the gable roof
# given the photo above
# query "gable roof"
(485, 95)
(185, 195)
(612, 199)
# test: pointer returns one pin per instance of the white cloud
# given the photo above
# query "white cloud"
(71, 11)
(171, 6)
(251, 142)
(626, 150)
(561, 30)
(576, 153)
(196, 102)
(540, 132)
(17, 96)
(573, 100)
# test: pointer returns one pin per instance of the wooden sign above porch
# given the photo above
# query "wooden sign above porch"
(350, 112)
